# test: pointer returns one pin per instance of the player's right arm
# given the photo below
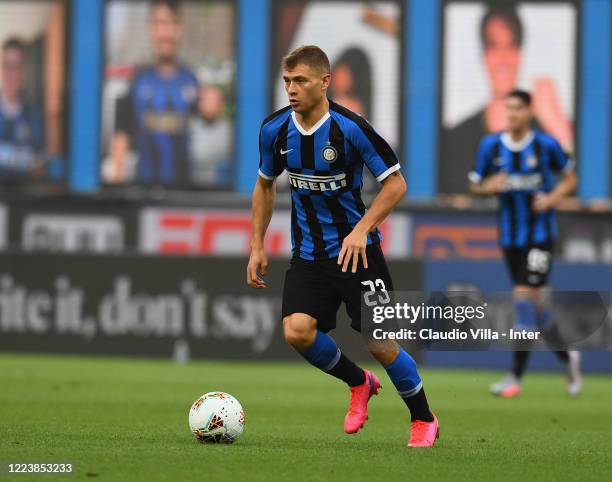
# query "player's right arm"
(262, 207)
(481, 184)
(262, 203)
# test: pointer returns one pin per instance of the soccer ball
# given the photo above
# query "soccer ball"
(216, 417)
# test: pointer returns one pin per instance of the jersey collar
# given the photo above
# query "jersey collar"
(313, 129)
(517, 146)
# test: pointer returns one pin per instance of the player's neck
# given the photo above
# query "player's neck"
(519, 134)
(308, 119)
(166, 67)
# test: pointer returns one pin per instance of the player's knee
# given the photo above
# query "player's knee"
(525, 292)
(384, 351)
(300, 330)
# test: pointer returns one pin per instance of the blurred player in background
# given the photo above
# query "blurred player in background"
(323, 146)
(520, 166)
(21, 125)
(501, 34)
(154, 118)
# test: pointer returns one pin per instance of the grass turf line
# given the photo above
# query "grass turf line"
(126, 420)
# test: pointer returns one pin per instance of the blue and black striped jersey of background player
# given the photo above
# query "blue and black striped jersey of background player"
(21, 141)
(325, 168)
(532, 165)
(155, 115)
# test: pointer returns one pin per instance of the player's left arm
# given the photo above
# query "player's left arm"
(560, 162)
(382, 162)
(393, 191)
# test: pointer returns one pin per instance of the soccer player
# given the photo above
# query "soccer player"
(21, 125)
(519, 165)
(336, 242)
(501, 36)
(154, 118)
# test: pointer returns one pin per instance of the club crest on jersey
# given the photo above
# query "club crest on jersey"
(531, 161)
(329, 153)
(318, 183)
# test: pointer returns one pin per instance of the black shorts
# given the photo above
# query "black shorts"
(317, 288)
(530, 265)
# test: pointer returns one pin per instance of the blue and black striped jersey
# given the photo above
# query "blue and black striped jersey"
(531, 165)
(156, 116)
(325, 169)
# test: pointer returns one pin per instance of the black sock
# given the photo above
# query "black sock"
(347, 371)
(419, 408)
(563, 355)
(520, 363)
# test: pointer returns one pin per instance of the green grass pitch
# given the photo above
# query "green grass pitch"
(126, 420)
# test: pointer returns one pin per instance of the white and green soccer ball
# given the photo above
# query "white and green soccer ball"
(216, 417)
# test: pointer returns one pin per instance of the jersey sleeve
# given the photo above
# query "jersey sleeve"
(560, 161)
(374, 150)
(269, 165)
(484, 159)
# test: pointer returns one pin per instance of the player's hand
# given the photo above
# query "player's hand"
(353, 246)
(496, 183)
(542, 202)
(257, 267)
